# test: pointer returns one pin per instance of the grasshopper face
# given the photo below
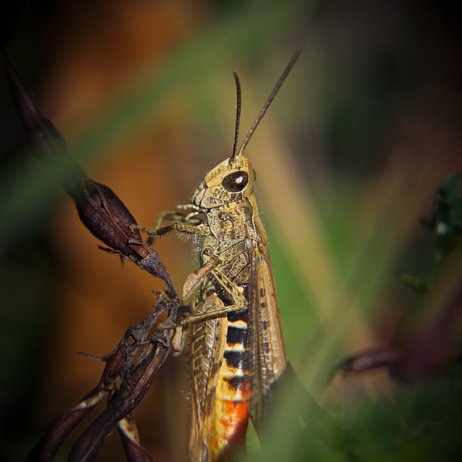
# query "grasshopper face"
(230, 181)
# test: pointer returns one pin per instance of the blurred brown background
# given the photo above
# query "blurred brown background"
(364, 130)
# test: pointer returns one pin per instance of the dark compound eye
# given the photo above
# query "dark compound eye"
(235, 182)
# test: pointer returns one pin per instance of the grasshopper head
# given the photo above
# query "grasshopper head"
(230, 181)
(233, 179)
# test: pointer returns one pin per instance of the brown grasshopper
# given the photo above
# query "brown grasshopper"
(235, 338)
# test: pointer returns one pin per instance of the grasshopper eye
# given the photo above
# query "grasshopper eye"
(235, 182)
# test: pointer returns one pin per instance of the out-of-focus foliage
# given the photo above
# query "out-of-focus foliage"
(415, 420)
(446, 222)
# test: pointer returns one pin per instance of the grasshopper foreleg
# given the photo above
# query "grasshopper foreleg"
(182, 227)
(184, 220)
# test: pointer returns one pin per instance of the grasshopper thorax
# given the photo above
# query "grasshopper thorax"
(230, 181)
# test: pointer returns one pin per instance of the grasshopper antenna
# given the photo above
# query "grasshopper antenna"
(238, 114)
(268, 102)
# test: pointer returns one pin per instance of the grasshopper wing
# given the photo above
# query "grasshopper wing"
(265, 345)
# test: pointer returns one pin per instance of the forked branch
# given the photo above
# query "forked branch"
(132, 366)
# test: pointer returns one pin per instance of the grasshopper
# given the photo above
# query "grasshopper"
(234, 333)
